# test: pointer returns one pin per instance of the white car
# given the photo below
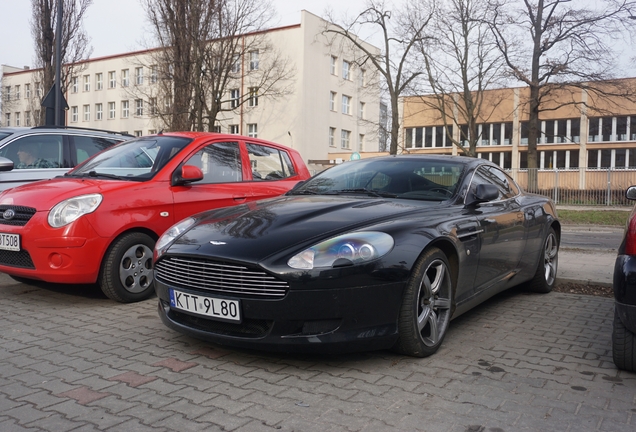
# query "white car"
(37, 153)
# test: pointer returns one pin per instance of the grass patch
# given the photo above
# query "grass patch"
(593, 217)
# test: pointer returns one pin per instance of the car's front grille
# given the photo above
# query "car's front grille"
(220, 277)
(20, 214)
(16, 259)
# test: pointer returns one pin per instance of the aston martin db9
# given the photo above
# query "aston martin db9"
(370, 254)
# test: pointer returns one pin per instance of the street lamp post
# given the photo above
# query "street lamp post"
(58, 63)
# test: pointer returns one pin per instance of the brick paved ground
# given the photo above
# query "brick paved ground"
(73, 362)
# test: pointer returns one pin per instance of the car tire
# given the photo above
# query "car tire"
(545, 276)
(426, 306)
(126, 274)
(623, 346)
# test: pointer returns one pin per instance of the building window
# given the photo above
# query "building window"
(153, 106)
(236, 64)
(252, 130)
(17, 92)
(216, 128)
(333, 67)
(8, 119)
(332, 101)
(361, 142)
(254, 60)
(112, 79)
(27, 91)
(7, 93)
(74, 114)
(99, 81)
(345, 139)
(234, 129)
(111, 110)
(346, 104)
(138, 133)
(98, 111)
(38, 89)
(87, 113)
(361, 107)
(139, 107)
(125, 109)
(345, 70)
(332, 137)
(17, 119)
(253, 100)
(125, 81)
(74, 85)
(27, 118)
(87, 83)
(151, 131)
(235, 94)
(525, 129)
(413, 137)
(362, 77)
(139, 75)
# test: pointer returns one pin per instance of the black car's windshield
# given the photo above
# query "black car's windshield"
(431, 179)
(139, 159)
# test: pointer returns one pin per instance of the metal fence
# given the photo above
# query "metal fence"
(584, 186)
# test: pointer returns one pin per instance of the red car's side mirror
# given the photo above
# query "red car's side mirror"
(186, 174)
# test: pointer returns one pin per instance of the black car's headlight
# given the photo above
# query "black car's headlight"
(171, 234)
(351, 248)
(72, 209)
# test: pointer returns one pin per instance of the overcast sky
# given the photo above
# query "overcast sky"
(117, 26)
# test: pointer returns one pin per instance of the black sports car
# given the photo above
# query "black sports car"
(624, 331)
(371, 254)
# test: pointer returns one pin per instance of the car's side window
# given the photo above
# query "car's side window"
(269, 163)
(88, 146)
(220, 163)
(35, 151)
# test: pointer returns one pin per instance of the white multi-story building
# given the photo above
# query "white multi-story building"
(333, 105)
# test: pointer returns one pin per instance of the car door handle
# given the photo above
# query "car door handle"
(239, 198)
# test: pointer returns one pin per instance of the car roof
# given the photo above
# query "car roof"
(232, 137)
(66, 130)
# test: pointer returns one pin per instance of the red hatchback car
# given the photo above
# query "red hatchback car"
(100, 221)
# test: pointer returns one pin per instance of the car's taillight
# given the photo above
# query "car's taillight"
(630, 237)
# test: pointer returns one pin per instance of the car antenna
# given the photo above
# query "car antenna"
(160, 132)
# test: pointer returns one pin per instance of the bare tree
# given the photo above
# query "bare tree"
(461, 63)
(209, 50)
(553, 44)
(74, 44)
(400, 31)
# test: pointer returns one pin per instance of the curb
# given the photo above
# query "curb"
(562, 281)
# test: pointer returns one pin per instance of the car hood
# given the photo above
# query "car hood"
(45, 194)
(253, 232)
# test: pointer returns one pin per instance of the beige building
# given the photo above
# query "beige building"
(333, 105)
(601, 135)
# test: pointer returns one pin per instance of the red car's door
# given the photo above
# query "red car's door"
(223, 182)
(272, 169)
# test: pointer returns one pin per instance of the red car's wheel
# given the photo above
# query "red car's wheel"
(126, 274)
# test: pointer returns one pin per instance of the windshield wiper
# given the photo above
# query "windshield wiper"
(302, 192)
(96, 175)
(371, 192)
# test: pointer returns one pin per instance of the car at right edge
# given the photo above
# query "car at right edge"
(624, 330)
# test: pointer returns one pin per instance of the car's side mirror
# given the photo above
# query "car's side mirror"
(483, 193)
(186, 174)
(6, 164)
(630, 194)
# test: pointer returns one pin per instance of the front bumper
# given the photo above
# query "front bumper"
(625, 290)
(316, 320)
(71, 254)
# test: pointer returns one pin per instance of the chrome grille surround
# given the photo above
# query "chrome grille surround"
(220, 277)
